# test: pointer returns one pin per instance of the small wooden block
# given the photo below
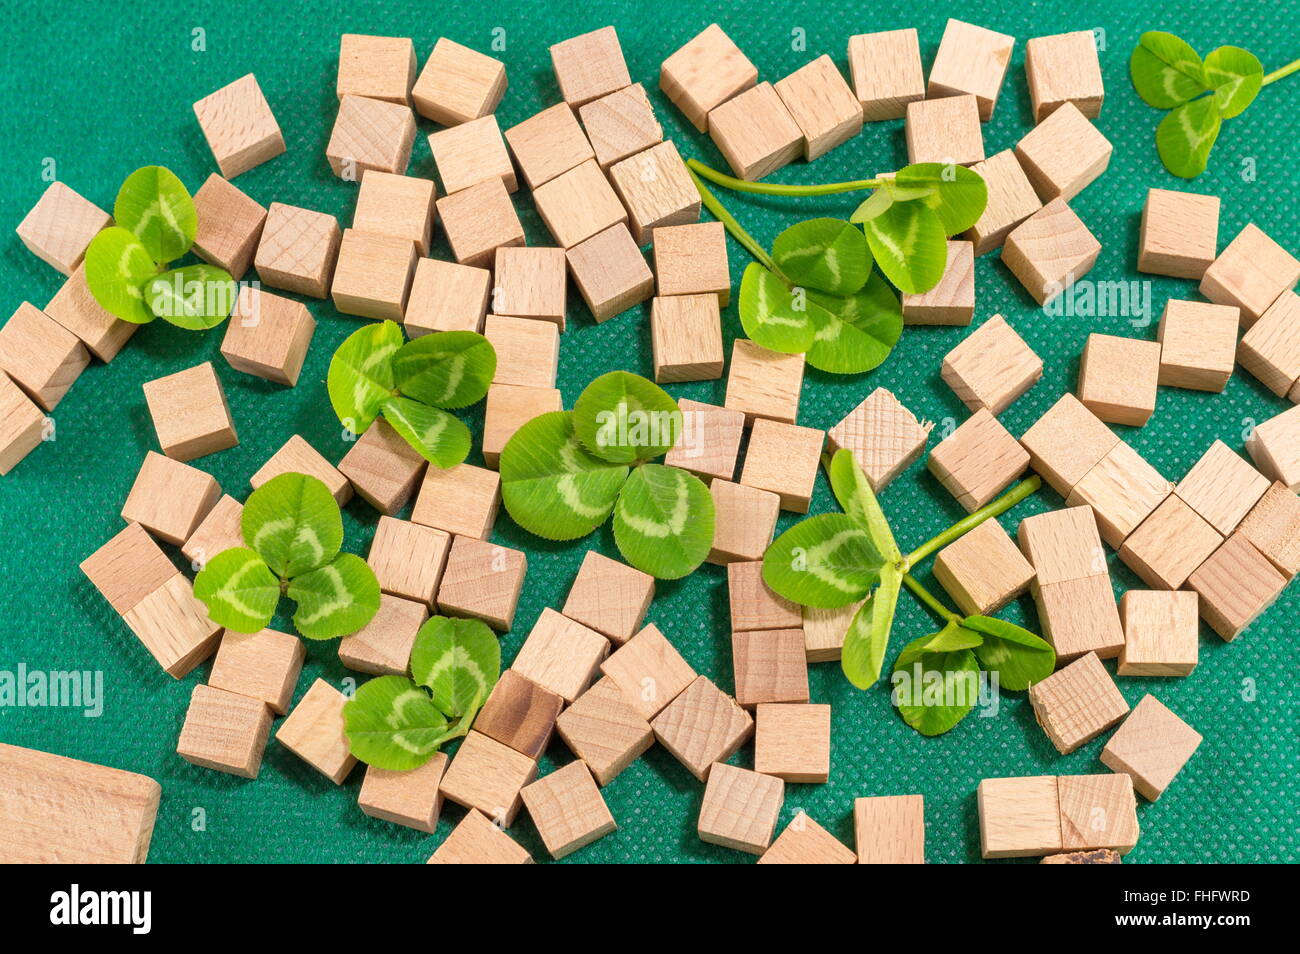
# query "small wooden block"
(657, 190)
(740, 808)
(1161, 635)
(488, 776)
(605, 730)
(756, 133)
(770, 666)
(1064, 68)
(189, 413)
(970, 60)
(991, 367)
(1198, 343)
(983, 571)
(649, 670)
(127, 568)
(482, 581)
(409, 798)
(621, 124)
(578, 204)
(1273, 527)
(1117, 378)
(75, 308)
(264, 665)
(458, 84)
(478, 221)
(1079, 616)
(298, 250)
(397, 206)
(219, 531)
(1235, 585)
(745, 520)
(886, 72)
(380, 67)
(1123, 490)
(1103, 856)
(60, 226)
(1222, 487)
(1169, 545)
(1019, 817)
(408, 558)
(373, 275)
(589, 66)
(383, 646)
(463, 500)
(447, 297)
(44, 358)
(783, 459)
(763, 383)
(822, 105)
(561, 655)
(519, 713)
(238, 124)
(890, 829)
(1151, 747)
(470, 153)
(547, 144)
(1274, 446)
(824, 631)
(230, 226)
(383, 468)
(686, 336)
(174, 627)
(530, 282)
(1250, 273)
(476, 841)
(1076, 704)
(1270, 350)
(370, 135)
(225, 731)
(702, 727)
(1011, 200)
(706, 72)
(170, 499)
(793, 742)
(1179, 235)
(610, 597)
(1062, 545)
(268, 336)
(884, 436)
(611, 272)
(299, 457)
(1066, 443)
(804, 842)
(944, 130)
(1049, 250)
(709, 443)
(753, 605)
(1097, 811)
(314, 732)
(977, 461)
(567, 809)
(1063, 154)
(528, 351)
(692, 260)
(509, 407)
(952, 301)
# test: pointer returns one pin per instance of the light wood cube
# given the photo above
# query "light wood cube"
(970, 60)
(1274, 446)
(610, 597)
(1011, 200)
(952, 301)
(1117, 378)
(886, 71)
(219, 531)
(447, 297)
(793, 742)
(75, 308)
(890, 829)
(706, 72)
(884, 436)
(1169, 545)
(1273, 527)
(528, 351)
(744, 521)
(1161, 634)
(783, 459)
(824, 631)
(621, 124)
(60, 226)
(1151, 747)
(409, 798)
(567, 809)
(1079, 616)
(605, 730)
(692, 260)
(268, 336)
(1050, 250)
(649, 670)
(1062, 545)
(702, 727)
(753, 605)
(170, 499)
(297, 250)
(1123, 490)
(1234, 586)
(478, 221)
(482, 581)
(578, 204)
(657, 191)
(383, 646)
(1076, 704)
(379, 67)
(763, 383)
(488, 776)
(991, 367)
(978, 460)
(1179, 235)
(42, 357)
(804, 842)
(174, 627)
(740, 809)
(127, 568)
(373, 276)
(230, 226)
(709, 443)
(1019, 817)
(189, 413)
(1064, 68)
(509, 407)
(408, 559)
(561, 655)
(521, 714)
(299, 457)
(756, 133)
(477, 841)
(944, 130)
(383, 468)
(686, 337)
(822, 105)
(589, 66)
(770, 666)
(370, 135)
(1250, 273)
(470, 153)
(530, 283)
(1097, 811)
(1063, 154)
(314, 732)
(1198, 344)
(1270, 350)
(1067, 442)
(611, 272)
(1222, 487)
(239, 126)
(397, 206)
(264, 665)
(463, 500)
(458, 84)
(224, 731)
(548, 143)
(983, 571)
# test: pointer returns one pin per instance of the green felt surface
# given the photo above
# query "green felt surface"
(100, 89)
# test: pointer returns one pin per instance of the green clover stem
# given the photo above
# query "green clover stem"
(929, 599)
(1004, 503)
(1282, 73)
(735, 228)
(777, 188)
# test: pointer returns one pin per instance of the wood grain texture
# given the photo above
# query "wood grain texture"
(519, 713)
(561, 655)
(1063, 154)
(1019, 817)
(446, 297)
(547, 144)
(476, 841)
(1151, 747)
(604, 729)
(1274, 446)
(756, 133)
(944, 130)
(60, 226)
(1250, 273)
(472, 152)
(1097, 811)
(479, 220)
(970, 59)
(884, 436)
(740, 809)
(770, 666)
(978, 461)
(239, 126)
(408, 558)
(225, 731)
(1161, 634)
(649, 670)
(383, 646)
(709, 444)
(621, 124)
(1270, 350)
(656, 189)
(692, 260)
(793, 742)
(1168, 545)
(1080, 616)
(783, 459)
(752, 603)
(220, 530)
(508, 408)
(610, 597)
(822, 105)
(983, 571)
(458, 84)
(589, 66)
(1179, 233)
(530, 282)
(1123, 490)
(610, 272)
(744, 521)
(1234, 586)
(396, 205)
(702, 726)
(886, 72)
(991, 367)
(268, 336)
(1050, 249)
(889, 829)
(1273, 528)
(170, 499)
(578, 204)
(804, 842)
(568, 809)
(686, 338)
(314, 732)
(704, 73)
(383, 468)
(488, 776)
(952, 300)
(1222, 487)
(483, 581)
(1066, 443)
(409, 798)
(1011, 200)
(1062, 545)
(264, 665)
(299, 457)
(75, 308)
(128, 567)
(463, 500)
(824, 631)
(370, 134)
(298, 250)
(528, 351)
(380, 67)
(1077, 703)
(1064, 68)
(1118, 377)
(372, 276)
(174, 627)
(764, 383)
(1198, 345)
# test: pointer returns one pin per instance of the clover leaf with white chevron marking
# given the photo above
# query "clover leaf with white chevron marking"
(458, 661)
(391, 723)
(663, 521)
(336, 599)
(294, 524)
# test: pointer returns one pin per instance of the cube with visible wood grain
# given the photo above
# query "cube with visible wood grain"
(970, 60)
(1019, 817)
(770, 666)
(756, 133)
(75, 309)
(530, 282)
(508, 408)
(610, 272)
(952, 300)
(822, 105)
(314, 732)
(692, 260)
(548, 143)
(1151, 747)
(883, 435)
(383, 468)
(60, 226)
(297, 250)
(458, 84)
(1077, 703)
(1198, 345)
(399, 206)
(383, 646)
(1118, 377)
(1063, 154)
(763, 383)
(408, 559)
(609, 597)
(656, 189)
(299, 457)
(378, 67)
(804, 842)
(605, 730)
(482, 581)
(264, 665)
(991, 367)
(886, 72)
(446, 297)
(1179, 234)
(1079, 616)
(889, 829)
(709, 443)
(620, 124)
(190, 414)
(1168, 545)
(128, 568)
(527, 350)
(945, 130)
(170, 499)
(1064, 68)
(1161, 633)
(704, 73)
(41, 356)
(463, 500)
(561, 654)
(1097, 811)
(983, 570)
(753, 605)
(173, 626)
(1274, 446)
(239, 126)
(740, 809)
(224, 731)
(702, 727)
(589, 66)
(370, 134)
(1066, 443)
(744, 522)
(1123, 490)
(783, 459)
(649, 670)
(686, 338)
(1011, 200)
(229, 227)
(470, 153)
(519, 713)
(793, 742)
(1273, 527)
(1250, 273)
(219, 531)
(567, 809)
(478, 221)
(1050, 250)
(824, 631)
(487, 776)
(1234, 586)
(1270, 350)
(477, 841)
(1222, 487)
(978, 460)
(1062, 545)
(410, 798)
(578, 204)
(268, 336)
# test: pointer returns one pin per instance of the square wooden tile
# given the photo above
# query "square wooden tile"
(458, 84)
(704, 73)
(978, 460)
(991, 367)
(1077, 703)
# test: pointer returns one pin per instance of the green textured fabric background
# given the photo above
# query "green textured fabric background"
(100, 89)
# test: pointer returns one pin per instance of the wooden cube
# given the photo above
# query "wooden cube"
(1050, 250)
(299, 457)
(621, 124)
(884, 436)
(547, 144)
(649, 670)
(264, 665)
(753, 605)
(1123, 490)
(458, 84)
(1064, 68)
(578, 204)
(1117, 378)
(220, 530)
(1234, 586)
(944, 130)
(709, 443)
(991, 367)
(702, 727)
(610, 597)
(44, 358)
(656, 189)
(770, 666)
(383, 646)
(793, 742)
(1274, 446)
(314, 732)
(463, 500)
(783, 459)
(369, 135)
(510, 407)
(1097, 811)
(297, 250)
(589, 66)
(446, 297)
(1169, 545)
(804, 842)
(1066, 443)
(189, 413)
(706, 72)
(692, 260)
(970, 60)
(1179, 235)
(528, 351)
(1222, 487)
(567, 809)
(561, 655)
(174, 626)
(1151, 747)
(686, 337)
(1062, 545)
(238, 124)
(1011, 200)
(756, 133)
(1019, 817)
(977, 461)
(1079, 616)
(477, 841)
(488, 776)
(409, 798)
(1273, 528)
(383, 468)
(268, 336)
(397, 206)
(482, 581)
(822, 105)
(1270, 350)
(380, 67)
(605, 730)
(408, 558)
(740, 809)
(611, 272)
(983, 571)
(824, 631)
(60, 226)
(75, 309)
(1076, 704)
(373, 275)
(128, 568)
(230, 226)
(530, 283)
(952, 301)
(1161, 636)
(519, 713)
(886, 72)
(890, 829)
(1250, 273)
(470, 153)
(763, 383)
(1063, 154)
(170, 499)
(478, 221)
(1198, 344)
(744, 521)
(224, 731)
